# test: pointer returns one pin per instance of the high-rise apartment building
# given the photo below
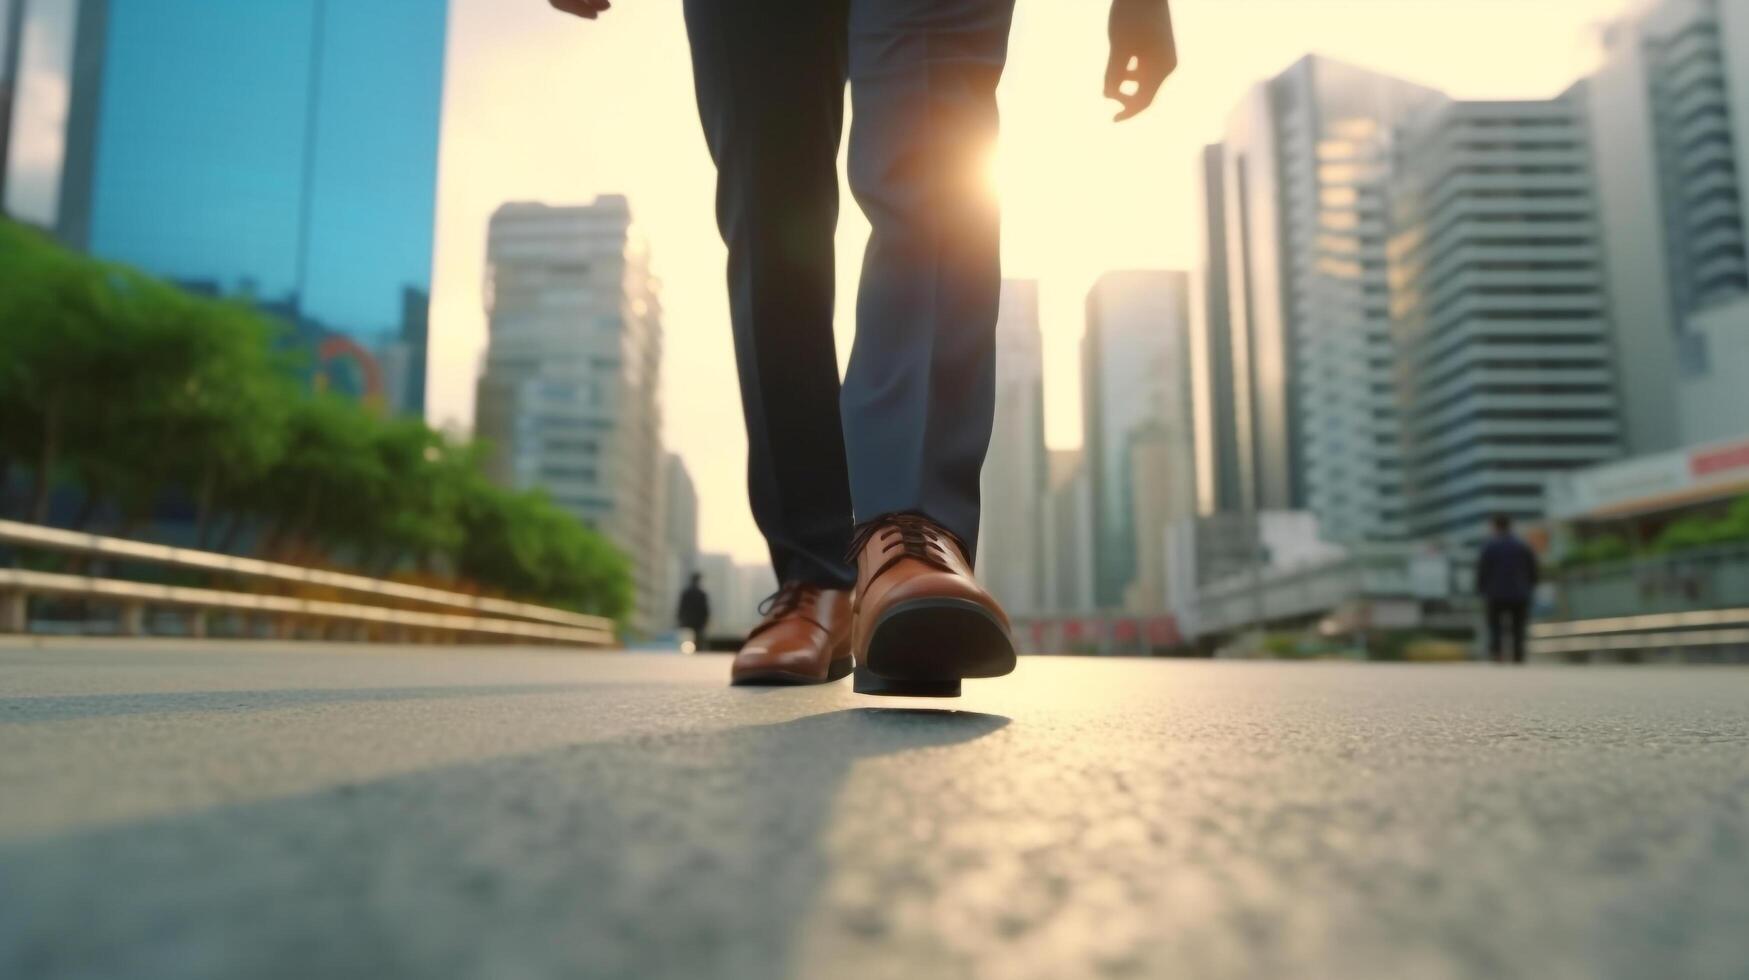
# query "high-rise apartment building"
(679, 535)
(1501, 311)
(1294, 379)
(1135, 375)
(568, 400)
(1011, 533)
(1669, 112)
(1068, 559)
(283, 152)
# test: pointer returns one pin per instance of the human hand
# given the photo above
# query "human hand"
(587, 9)
(1143, 53)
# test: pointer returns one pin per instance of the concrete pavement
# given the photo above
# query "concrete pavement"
(185, 811)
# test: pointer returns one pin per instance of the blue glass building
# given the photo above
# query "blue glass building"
(283, 150)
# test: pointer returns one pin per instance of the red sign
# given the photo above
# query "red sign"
(1719, 460)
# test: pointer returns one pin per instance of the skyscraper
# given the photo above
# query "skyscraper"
(284, 152)
(1068, 559)
(1162, 492)
(1501, 311)
(1293, 330)
(1220, 482)
(679, 535)
(1135, 374)
(1669, 110)
(568, 400)
(1011, 536)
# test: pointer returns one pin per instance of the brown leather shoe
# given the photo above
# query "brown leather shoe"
(804, 638)
(922, 621)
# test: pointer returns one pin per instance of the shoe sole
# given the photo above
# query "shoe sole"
(783, 678)
(925, 647)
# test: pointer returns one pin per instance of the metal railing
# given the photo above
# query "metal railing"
(1693, 580)
(463, 616)
(1688, 603)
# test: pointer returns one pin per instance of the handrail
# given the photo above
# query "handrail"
(1640, 641)
(1694, 619)
(56, 539)
(54, 583)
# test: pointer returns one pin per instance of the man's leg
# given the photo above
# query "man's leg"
(770, 79)
(1520, 613)
(919, 396)
(1496, 612)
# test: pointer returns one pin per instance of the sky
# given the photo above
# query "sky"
(541, 107)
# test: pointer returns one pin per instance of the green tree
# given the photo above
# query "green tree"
(202, 410)
(318, 495)
(520, 544)
(1603, 548)
(133, 387)
(56, 355)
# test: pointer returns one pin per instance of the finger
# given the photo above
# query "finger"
(1117, 68)
(1123, 89)
(588, 9)
(1148, 82)
(1146, 78)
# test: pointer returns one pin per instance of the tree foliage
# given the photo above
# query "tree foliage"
(132, 391)
(1703, 532)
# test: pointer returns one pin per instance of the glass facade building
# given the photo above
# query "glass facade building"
(1296, 385)
(281, 150)
(1135, 389)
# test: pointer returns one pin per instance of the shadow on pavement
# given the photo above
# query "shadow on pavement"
(668, 855)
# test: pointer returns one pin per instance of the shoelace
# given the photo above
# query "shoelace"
(911, 536)
(786, 601)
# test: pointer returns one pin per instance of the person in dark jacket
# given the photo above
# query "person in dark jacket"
(1506, 577)
(694, 613)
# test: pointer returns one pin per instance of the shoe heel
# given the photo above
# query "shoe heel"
(865, 681)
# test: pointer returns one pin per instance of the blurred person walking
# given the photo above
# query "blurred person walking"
(694, 613)
(1506, 577)
(869, 489)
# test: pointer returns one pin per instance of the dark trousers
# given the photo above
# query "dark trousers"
(909, 427)
(1507, 617)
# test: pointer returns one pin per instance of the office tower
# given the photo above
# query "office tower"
(1135, 374)
(284, 152)
(1220, 439)
(11, 33)
(1501, 311)
(1669, 112)
(568, 399)
(679, 534)
(1068, 559)
(1294, 310)
(1011, 533)
(1162, 491)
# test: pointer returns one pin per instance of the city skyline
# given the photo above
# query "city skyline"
(568, 150)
